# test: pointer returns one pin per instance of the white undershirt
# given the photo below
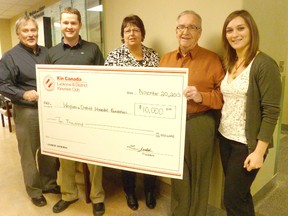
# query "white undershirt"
(233, 119)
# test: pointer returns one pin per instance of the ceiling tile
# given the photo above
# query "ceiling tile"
(11, 8)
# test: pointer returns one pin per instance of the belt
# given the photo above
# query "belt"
(32, 105)
(193, 115)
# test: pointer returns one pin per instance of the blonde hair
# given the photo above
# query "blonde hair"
(24, 20)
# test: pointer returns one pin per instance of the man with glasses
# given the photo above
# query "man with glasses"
(190, 195)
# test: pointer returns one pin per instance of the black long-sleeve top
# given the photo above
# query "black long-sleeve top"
(18, 73)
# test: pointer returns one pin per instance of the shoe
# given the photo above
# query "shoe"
(39, 201)
(132, 201)
(150, 200)
(98, 209)
(62, 205)
(55, 190)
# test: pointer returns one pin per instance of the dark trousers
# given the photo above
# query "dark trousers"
(237, 196)
(129, 182)
(39, 171)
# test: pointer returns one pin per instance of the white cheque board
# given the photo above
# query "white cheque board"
(121, 117)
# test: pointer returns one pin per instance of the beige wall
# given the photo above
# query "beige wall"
(272, 20)
(14, 19)
(159, 18)
(8, 38)
(285, 102)
(5, 36)
(160, 21)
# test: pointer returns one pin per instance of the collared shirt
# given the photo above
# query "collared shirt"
(205, 73)
(83, 53)
(122, 57)
(18, 73)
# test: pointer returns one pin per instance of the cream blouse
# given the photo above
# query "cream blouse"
(233, 118)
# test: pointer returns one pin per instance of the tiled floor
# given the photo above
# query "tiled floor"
(15, 202)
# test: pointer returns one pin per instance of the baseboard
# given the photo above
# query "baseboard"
(266, 189)
(284, 128)
(164, 188)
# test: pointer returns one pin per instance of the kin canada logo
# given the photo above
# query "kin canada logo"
(49, 83)
(64, 83)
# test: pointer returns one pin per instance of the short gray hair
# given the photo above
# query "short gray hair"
(191, 12)
(24, 20)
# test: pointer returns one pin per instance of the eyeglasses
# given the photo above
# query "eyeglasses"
(190, 28)
(129, 31)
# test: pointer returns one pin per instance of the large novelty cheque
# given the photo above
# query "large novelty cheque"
(121, 117)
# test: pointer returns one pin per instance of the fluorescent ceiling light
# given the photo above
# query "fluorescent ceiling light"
(56, 24)
(96, 8)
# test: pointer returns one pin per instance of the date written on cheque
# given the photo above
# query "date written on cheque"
(155, 110)
(155, 93)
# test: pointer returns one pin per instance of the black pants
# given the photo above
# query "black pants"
(237, 196)
(129, 181)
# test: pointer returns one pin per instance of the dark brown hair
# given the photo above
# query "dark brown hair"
(135, 20)
(230, 56)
